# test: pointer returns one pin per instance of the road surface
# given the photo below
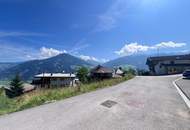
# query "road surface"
(184, 84)
(150, 103)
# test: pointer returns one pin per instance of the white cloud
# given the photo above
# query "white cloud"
(105, 60)
(109, 19)
(16, 34)
(134, 48)
(79, 45)
(13, 52)
(91, 58)
(170, 44)
(124, 9)
(185, 51)
(86, 58)
(49, 52)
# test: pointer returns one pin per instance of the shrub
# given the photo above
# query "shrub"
(82, 74)
(143, 72)
(129, 70)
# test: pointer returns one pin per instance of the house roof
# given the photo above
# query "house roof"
(119, 71)
(163, 58)
(55, 75)
(101, 69)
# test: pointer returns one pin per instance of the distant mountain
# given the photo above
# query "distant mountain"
(138, 61)
(7, 65)
(93, 62)
(60, 63)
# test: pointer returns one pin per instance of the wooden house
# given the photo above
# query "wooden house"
(100, 72)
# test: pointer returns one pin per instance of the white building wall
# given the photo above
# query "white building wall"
(160, 70)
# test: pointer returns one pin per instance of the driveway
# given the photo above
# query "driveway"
(141, 103)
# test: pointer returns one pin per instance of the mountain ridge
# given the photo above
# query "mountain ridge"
(137, 61)
(63, 62)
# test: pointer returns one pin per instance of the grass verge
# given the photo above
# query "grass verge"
(42, 96)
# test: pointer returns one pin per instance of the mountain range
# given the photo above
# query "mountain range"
(137, 61)
(7, 65)
(65, 62)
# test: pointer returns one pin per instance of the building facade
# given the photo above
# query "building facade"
(100, 72)
(166, 65)
(54, 80)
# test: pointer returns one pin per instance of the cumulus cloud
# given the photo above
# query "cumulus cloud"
(86, 58)
(91, 58)
(49, 52)
(134, 48)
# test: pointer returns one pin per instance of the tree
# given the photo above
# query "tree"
(132, 71)
(16, 87)
(143, 72)
(82, 74)
(129, 70)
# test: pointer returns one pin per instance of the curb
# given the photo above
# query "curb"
(181, 93)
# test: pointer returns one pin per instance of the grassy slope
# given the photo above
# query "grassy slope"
(39, 97)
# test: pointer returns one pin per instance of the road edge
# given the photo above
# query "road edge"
(181, 93)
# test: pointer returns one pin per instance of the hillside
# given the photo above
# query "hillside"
(60, 63)
(138, 61)
(4, 66)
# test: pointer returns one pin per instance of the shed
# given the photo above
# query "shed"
(54, 79)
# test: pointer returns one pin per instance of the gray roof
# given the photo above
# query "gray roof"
(101, 69)
(163, 58)
(174, 57)
(55, 75)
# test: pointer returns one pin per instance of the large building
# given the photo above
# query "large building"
(54, 80)
(166, 65)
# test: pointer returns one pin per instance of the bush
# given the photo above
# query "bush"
(143, 72)
(129, 70)
(82, 74)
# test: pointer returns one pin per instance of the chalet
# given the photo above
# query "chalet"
(165, 65)
(54, 80)
(119, 72)
(101, 72)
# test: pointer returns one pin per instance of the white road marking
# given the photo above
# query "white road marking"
(184, 97)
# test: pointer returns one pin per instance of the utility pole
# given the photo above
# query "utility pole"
(43, 80)
(158, 51)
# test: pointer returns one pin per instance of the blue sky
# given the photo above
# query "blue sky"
(98, 30)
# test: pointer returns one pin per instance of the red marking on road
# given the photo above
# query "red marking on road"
(136, 104)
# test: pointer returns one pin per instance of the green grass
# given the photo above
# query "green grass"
(42, 96)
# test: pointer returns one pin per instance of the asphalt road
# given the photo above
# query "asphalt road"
(149, 103)
(184, 84)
